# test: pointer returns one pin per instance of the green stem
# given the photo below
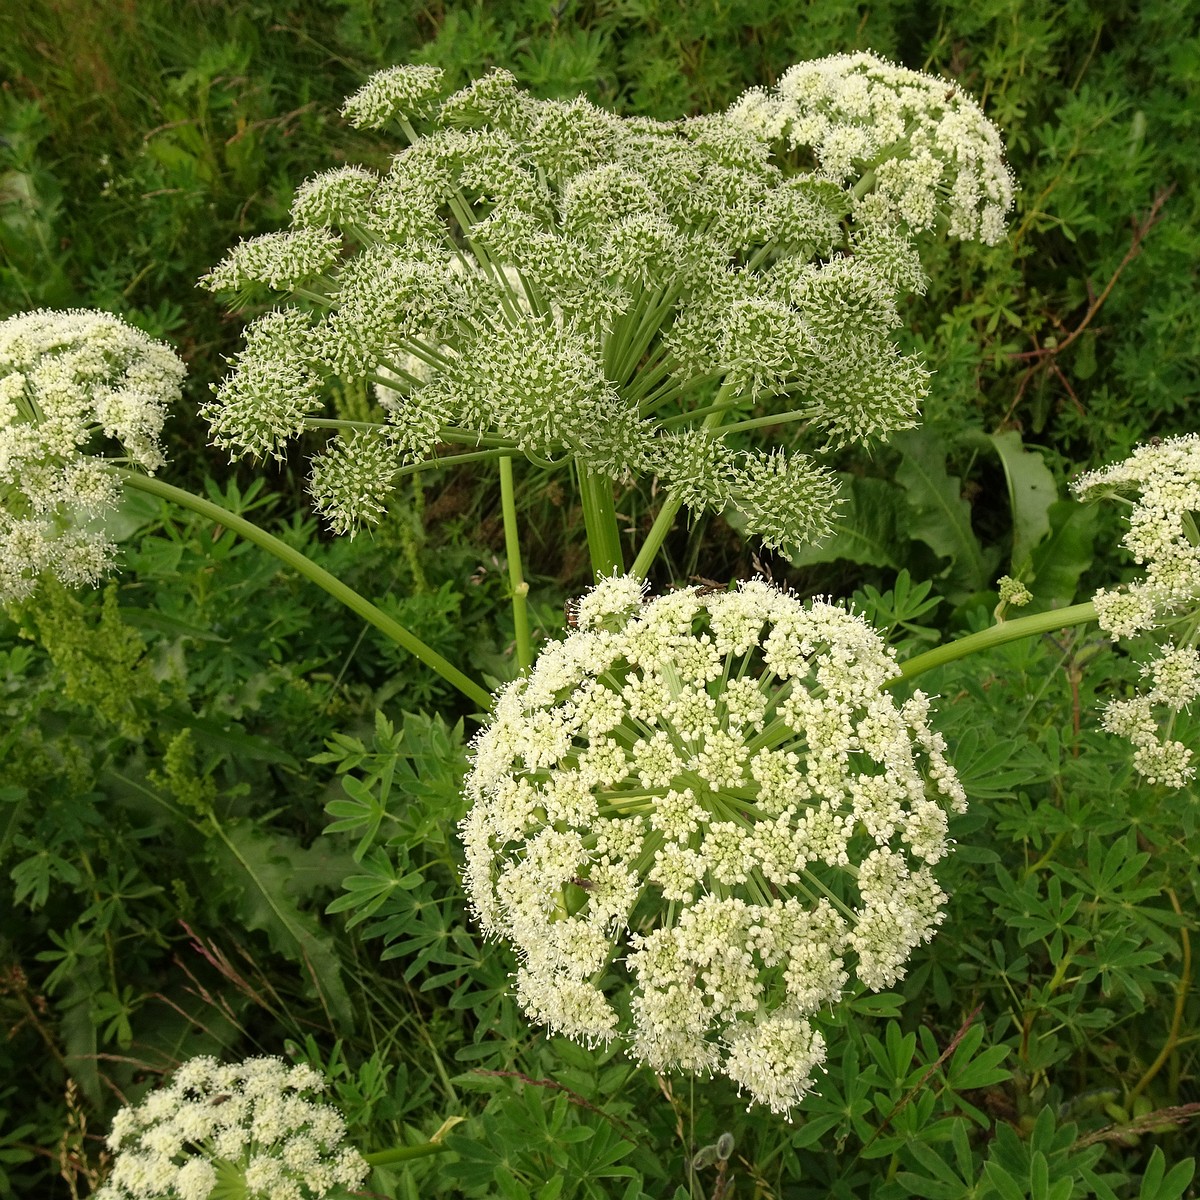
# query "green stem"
(455, 437)
(516, 580)
(382, 1158)
(671, 505)
(864, 185)
(305, 566)
(996, 635)
(784, 418)
(600, 523)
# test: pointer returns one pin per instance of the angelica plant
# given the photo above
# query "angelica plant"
(545, 279)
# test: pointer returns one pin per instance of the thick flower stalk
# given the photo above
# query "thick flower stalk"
(255, 1130)
(544, 278)
(913, 147)
(71, 384)
(708, 797)
(1164, 479)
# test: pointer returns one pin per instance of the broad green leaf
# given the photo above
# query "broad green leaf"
(265, 869)
(1031, 491)
(937, 513)
(1059, 560)
(868, 528)
(216, 735)
(161, 622)
(80, 1038)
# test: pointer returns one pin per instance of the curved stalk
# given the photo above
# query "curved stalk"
(516, 580)
(305, 566)
(996, 635)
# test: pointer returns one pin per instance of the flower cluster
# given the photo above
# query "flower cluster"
(67, 381)
(546, 278)
(1164, 478)
(920, 150)
(711, 797)
(251, 1130)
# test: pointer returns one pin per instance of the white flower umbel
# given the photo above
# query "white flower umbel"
(551, 280)
(69, 382)
(709, 797)
(257, 1130)
(912, 146)
(1161, 484)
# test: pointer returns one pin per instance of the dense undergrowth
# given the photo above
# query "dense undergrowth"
(227, 810)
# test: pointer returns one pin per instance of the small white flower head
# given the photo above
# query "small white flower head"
(492, 100)
(542, 386)
(282, 261)
(262, 403)
(923, 151)
(712, 798)
(69, 383)
(339, 197)
(1013, 592)
(1162, 483)
(257, 1129)
(787, 500)
(783, 498)
(351, 479)
(397, 93)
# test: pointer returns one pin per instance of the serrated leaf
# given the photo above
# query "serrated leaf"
(868, 528)
(266, 869)
(937, 513)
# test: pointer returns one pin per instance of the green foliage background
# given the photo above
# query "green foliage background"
(225, 827)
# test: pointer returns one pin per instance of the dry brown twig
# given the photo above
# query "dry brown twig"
(1046, 356)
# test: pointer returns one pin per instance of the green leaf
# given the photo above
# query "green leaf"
(217, 735)
(938, 514)
(265, 869)
(1039, 1176)
(367, 892)
(993, 770)
(869, 527)
(1031, 491)
(1007, 1187)
(161, 622)
(1172, 1185)
(1057, 562)
(13, 801)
